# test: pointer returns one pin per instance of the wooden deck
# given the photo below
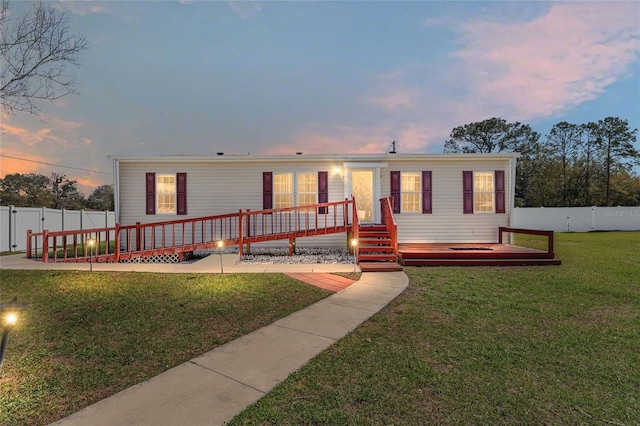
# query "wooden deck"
(472, 254)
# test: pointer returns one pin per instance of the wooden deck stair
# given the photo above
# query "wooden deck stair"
(376, 250)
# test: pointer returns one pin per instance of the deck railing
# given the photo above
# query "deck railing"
(548, 234)
(386, 209)
(179, 236)
(355, 232)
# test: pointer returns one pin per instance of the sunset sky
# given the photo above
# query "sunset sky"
(198, 77)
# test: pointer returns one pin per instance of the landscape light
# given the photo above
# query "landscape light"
(220, 245)
(10, 312)
(354, 244)
(91, 242)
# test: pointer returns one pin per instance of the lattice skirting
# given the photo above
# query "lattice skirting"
(162, 258)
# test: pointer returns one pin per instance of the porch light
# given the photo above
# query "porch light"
(220, 245)
(10, 312)
(337, 170)
(91, 242)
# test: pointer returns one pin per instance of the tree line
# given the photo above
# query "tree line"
(56, 191)
(574, 165)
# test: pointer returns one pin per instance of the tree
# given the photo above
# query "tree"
(617, 140)
(29, 190)
(589, 146)
(562, 142)
(492, 135)
(35, 51)
(65, 192)
(101, 198)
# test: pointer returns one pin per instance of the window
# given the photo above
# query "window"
(166, 194)
(283, 190)
(411, 191)
(483, 192)
(307, 189)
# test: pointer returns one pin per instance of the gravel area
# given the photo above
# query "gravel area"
(281, 256)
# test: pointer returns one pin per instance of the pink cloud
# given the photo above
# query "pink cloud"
(564, 58)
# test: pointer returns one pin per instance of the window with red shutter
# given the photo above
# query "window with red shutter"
(151, 193)
(323, 191)
(181, 193)
(395, 190)
(467, 192)
(267, 190)
(500, 194)
(426, 192)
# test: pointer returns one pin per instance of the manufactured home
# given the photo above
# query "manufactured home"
(385, 207)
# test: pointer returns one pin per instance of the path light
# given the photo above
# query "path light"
(220, 248)
(92, 242)
(10, 313)
(354, 245)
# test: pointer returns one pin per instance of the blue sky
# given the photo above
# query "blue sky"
(199, 77)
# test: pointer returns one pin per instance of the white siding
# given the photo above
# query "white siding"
(225, 185)
(447, 223)
(216, 188)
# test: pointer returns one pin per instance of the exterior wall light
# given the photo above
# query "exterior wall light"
(10, 312)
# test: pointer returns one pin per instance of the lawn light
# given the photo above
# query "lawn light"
(354, 245)
(92, 242)
(10, 313)
(220, 245)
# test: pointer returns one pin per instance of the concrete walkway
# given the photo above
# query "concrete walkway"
(212, 388)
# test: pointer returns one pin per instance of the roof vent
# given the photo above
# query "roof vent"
(298, 153)
(220, 153)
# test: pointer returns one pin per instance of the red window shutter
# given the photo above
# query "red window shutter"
(467, 191)
(426, 192)
(181, 192)
(151, 193)
(267, 190)
(499, 188)
(323, 191)
(395, 190)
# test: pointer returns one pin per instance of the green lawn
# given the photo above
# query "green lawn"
(87, 336)
(486, 345)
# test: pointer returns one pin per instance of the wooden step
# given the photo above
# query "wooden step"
(378, 257)
(385, 249)
(380, 267)
(480, 262)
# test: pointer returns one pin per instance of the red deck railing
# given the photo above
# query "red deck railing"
(386, 208)
(179, 236)
(548, 234)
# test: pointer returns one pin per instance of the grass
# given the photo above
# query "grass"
(86, 336)
(486, 345)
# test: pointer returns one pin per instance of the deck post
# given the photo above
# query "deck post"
(116, 252)
(137, 236)
(550, 244)
(45, 245)
(28, 243)
(240, 234)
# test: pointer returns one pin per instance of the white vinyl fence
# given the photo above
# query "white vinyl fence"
(577, 219)
(15, 221)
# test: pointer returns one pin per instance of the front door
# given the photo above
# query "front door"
(362, 190)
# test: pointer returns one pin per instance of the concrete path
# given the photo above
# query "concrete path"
(212, 388)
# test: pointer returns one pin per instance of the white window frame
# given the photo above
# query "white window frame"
(277, 190)
(491, 192)
(299, 181)
(404, 193)
(164, 189)
(295, 192)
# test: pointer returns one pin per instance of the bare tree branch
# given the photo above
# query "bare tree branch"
(35, 52)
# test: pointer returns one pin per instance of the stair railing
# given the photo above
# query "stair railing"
(386, 208)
